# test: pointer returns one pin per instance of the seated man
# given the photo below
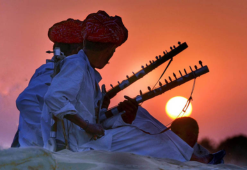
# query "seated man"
(74, 91)
(187, 129)
(30, 102)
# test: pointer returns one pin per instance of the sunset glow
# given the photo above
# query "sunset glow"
(175, 106)
(214, 31)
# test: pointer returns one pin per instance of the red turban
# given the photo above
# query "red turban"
(68, 31)
(100, 27)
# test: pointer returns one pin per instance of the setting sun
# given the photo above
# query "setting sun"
(175, 105)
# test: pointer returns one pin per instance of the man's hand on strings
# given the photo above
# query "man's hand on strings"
(130, 106)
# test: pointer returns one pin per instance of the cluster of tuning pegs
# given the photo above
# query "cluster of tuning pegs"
(159, 57)
(200, 62)
(174, 75)
(179, 43)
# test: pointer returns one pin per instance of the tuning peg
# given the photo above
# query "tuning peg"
(49, 51)
(149, 88)
(160, 84)
(185, 71)
(200, 62)
(146, 65)
(174, 46)
(180, 73)
(140, 92)
(118, 82)
(175, 76)
(166, 81)
(153, 61)
(170, 78)
(164, 52)
(133, 72)
(191, 69)
(157, 57)
(179, 43)
(111, 85)
(171, 48)
(127, 76)
(142, 67)
(150, 62)
(195, 67)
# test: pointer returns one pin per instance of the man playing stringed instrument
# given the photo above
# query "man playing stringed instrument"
(74, 92)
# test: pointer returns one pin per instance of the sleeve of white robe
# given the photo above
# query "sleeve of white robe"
(64, 89)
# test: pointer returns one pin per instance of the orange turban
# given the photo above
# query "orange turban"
(100, 27)
(68, 31)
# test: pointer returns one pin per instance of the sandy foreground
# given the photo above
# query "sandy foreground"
(35, 158)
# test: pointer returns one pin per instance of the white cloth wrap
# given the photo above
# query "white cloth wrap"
(30, 103)
(74, 90)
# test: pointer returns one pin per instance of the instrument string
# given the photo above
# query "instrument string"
(161, 75)
(186, 105)
(163, 72)
(183, 111)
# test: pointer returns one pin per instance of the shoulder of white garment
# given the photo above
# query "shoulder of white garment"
(78, 59)
(48, 67)
(41, 73)
(67, 81)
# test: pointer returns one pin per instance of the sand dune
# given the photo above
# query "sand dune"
(39, 158)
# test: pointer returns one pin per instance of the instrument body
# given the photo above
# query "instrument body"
(158, 91)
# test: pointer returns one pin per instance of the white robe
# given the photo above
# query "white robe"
(147, 122)
(75, 91)
(30, 103)
(129, 138)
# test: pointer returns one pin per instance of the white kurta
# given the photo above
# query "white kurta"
(129, 138)
(30, 103)
(147, 122)
(74, 90)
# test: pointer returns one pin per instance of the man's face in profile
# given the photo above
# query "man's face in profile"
(106, 57)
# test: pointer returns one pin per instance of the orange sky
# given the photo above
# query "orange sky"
(214, 31)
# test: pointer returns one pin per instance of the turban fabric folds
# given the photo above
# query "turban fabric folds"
(100, 27)
(68, 31)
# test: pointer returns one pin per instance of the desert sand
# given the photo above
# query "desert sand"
(39, 158)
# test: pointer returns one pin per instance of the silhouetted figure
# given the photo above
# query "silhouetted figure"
(64, 35)
(236, 150)
(188, 130)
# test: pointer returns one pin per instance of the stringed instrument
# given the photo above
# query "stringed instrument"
(145, 70)
(163, 88)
